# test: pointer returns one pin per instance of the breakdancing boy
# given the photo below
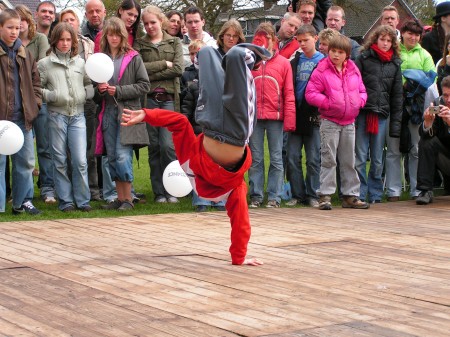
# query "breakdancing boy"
(216, 160)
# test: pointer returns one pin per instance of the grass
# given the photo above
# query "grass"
(142, 185)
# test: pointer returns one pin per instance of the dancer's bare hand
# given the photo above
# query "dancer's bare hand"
(253, 262)
(131, 117)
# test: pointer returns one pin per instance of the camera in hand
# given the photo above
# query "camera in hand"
(434, 110)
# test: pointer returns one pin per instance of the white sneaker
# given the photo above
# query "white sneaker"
(272, 204)
(313, 203)
(50, 200)
(292, 202)
(172, 200)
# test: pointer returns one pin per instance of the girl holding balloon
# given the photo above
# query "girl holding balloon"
(128, 83)
(65, 88)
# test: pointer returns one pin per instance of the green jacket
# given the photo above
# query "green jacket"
(416, 58)
(38, 46)
(155, 57)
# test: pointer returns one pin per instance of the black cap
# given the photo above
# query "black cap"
(442, 9)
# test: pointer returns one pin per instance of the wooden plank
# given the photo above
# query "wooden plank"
(381, 272)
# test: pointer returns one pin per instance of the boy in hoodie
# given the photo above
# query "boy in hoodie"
(216, 160)
(20, 97)
(307, 132)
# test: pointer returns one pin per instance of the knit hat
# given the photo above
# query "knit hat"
(442, 9)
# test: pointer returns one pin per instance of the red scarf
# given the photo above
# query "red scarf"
(372, 117)
(385, 56)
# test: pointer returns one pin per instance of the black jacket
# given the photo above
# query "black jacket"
(189, 104)
(383, 82)
(433, 43)
(306, 116)
(439, 128)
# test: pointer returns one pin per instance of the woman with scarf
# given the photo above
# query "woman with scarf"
(418, 61)
(379, 64)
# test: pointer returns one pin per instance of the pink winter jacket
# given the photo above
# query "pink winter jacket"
(339, 96)
(275, 98)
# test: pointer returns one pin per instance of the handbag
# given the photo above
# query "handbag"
(136, 135)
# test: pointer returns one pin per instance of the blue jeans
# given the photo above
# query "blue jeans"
(274, 131)
(68, 134)
(22, 172)
(304, 189)
(2, 183)
(161, 151)
(371, 186)
(109, 186)
(393, 163)
(120, 157)
(197, 201)
(44, 157)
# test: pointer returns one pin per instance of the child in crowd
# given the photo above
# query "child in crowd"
(306, 133)
(276, 113)
(379, 63)
(216, 160)
(190, 73)
(188, 106)
(325, 37)
(128, 83)
(337, 89)
(20, 97)
(66, 87)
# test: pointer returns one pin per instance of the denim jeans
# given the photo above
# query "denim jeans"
(372, 185)
(46, 167)
(120, 157)
(161, 151)
(304, 188)
(198, 201)
(109, 186)
(393, 163)
(337, 142)
(274, 131)
(22, 172)
(2, 183)
(68, 134)
(90, 111)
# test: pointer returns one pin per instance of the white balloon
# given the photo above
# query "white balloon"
(175, 180)
(11, 138)
(99, 68)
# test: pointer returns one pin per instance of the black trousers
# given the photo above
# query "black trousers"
(432, 154)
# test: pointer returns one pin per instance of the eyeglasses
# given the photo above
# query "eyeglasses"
(229, 36)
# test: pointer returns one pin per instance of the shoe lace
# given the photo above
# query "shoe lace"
(28, 205)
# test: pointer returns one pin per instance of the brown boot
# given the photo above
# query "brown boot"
(353, 202)
(325, 203)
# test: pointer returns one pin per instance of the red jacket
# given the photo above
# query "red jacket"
(275, 98)
(289, 48)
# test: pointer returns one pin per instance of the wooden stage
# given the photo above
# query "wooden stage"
(340, 273)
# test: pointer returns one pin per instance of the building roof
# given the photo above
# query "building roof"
(361, 15)
(31, 4)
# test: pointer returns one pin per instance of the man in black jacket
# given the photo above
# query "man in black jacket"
(434, 145)
(433, 41)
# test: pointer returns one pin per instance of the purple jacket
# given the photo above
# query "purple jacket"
(339, 96)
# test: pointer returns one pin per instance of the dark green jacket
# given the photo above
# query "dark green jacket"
(155, 57)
